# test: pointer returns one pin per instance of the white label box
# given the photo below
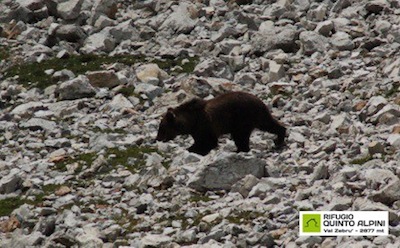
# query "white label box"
(344, 223)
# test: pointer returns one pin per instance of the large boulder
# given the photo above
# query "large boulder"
(224, 170)
(76, 88)
(180, 21)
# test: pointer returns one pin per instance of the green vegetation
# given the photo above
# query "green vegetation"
(4, 52)
(132, 157)
(81, 159)
(33, 74)
(395, 89)
(9, 204)
(241, 217)
(199, 198)
(361, 160)
(127, 91)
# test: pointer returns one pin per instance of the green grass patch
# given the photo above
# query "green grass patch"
(362, 160)
(33, 74)
(82, 160)
(4, 52)
(9, 204)
(200, 198)
(394, 90)
(243, 217)
(127, 91)
(132, 157)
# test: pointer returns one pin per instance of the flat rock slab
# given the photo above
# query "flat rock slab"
(224, 170)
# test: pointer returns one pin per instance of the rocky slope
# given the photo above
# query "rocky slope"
(83, 84)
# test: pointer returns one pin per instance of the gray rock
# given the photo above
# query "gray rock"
(224, 170)
(23, 213)
(180, 21)
(32, 5)
(58, 143)
(274, 11)
(63, 201)
(225, 32)
(123, 31)
(214, 235)
(318, 13)
(287, 39)
(339, 121)
(70, 33)
(325, 28)
(376, 6)
(187, 236)
(340, 5)
(340, 204)
(39, 124)
(10, 183)
(103, 21)
(90, 238)
(151, 74)
(312, 42)
(245, 185)
(342, 41)
(155, 240)
(276, 71)
(320, 172)
(227, 45)
(394, 140)
(46, 226)
(308, 241)
(111, 233)
(23, 240)
(63, 75)
(375, 178)
(27, 109)
(70, 9)
(388, 194)
(246, 79)
(375, 104)
(211, 217)
(213, 68)
(265, 39)
(108, 79)
(98, 42)
(255, 238)
(118, 103)
(382, 115)
(376, 147)
(103, 7)
(151, 91)
(76, 88)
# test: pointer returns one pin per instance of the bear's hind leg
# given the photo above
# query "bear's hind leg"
(242, 139)
(274, 127)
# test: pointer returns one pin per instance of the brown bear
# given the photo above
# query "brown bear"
(237, 113)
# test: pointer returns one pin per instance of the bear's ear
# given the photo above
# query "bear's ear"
(170, 115)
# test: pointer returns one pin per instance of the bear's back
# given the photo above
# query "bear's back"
(235, 110)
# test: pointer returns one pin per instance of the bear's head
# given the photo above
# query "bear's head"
(169, 127)
(183, 119)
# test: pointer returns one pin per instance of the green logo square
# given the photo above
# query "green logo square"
(311, 223)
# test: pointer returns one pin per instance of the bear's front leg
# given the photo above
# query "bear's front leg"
(203, 146)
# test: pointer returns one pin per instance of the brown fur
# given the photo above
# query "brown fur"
(237, 113)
